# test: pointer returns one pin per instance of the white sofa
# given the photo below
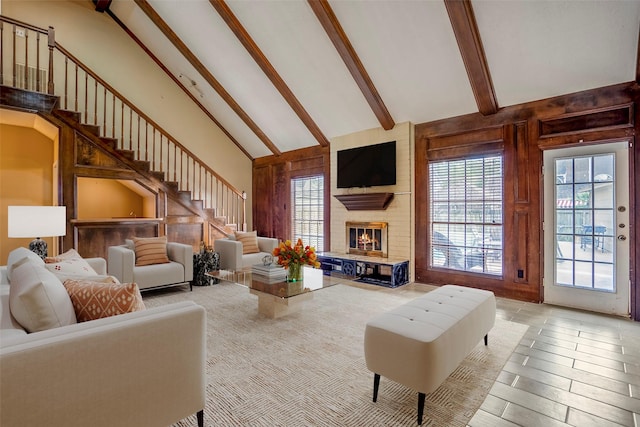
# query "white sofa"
(145, 368)
(121, 262)
(232, 258)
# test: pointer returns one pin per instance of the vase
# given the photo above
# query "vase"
(295, 272)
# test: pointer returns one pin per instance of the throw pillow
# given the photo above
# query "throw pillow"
(249, 242)
(18, 256)
(70, 254)
(70, 268)
(37, 299)
(95, 300)
(151, 250)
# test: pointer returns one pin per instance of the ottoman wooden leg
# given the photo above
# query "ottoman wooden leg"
(486, 339)
(421, 397)
(376, 384)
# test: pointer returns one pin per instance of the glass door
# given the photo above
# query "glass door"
(586, 216)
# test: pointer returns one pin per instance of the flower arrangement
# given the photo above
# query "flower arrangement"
(294, 256)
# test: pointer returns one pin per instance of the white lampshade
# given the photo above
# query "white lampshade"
(37, 221)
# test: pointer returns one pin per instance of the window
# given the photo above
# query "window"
(585, 222)
(307, 213)
(466, 214)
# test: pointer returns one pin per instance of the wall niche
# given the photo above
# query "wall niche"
(103, 198)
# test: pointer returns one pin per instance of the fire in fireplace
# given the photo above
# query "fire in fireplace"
(367, 238)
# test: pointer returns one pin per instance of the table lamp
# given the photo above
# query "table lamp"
(37, 221)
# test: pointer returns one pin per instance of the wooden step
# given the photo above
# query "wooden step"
(127, 154)
(92, 129)
(157, 175)
(173, 185)
(199, 204)
(73, 115)
(111, 142)
(185, 196)
(142, 165)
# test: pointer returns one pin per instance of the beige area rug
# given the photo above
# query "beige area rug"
(308, 368)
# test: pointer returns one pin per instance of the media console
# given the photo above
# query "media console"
(387, 272)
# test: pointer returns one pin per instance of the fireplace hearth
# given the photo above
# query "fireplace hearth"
(367, 238)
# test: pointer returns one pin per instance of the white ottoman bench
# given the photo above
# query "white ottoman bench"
(420, 343)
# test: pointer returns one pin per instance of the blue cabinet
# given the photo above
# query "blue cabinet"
(372, 270)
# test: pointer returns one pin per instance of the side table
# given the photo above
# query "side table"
(204, 262)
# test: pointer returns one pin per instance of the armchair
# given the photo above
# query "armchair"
(232, 258)
(121, 263)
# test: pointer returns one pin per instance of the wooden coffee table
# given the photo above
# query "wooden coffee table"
(279, 298)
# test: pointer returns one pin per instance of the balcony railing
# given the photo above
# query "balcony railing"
(31, 59)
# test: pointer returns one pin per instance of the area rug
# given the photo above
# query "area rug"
(308, 368)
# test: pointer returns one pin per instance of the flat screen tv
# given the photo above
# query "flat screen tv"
(367, 166)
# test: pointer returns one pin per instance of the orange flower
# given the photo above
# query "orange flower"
(287, 253)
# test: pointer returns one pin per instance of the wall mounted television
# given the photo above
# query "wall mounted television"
(367, 166)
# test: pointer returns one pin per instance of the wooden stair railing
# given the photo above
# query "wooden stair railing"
(120, 124)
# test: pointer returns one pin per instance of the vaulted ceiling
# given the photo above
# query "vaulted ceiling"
(279, 75)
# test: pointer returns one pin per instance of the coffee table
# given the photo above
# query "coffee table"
(277, 297)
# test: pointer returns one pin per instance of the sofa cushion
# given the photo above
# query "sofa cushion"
(151, 250)
(71, 268)
(37, 299)
(9, 327)
(95, 300)
(18, 256)
(249, 241)
(151, 276)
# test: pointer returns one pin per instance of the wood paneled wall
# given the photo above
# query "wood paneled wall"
(81, 157)
(272, 189)
(521, 133)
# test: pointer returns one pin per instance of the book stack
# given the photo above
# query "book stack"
(274, 272)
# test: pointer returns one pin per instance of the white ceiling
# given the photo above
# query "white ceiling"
(534, 50)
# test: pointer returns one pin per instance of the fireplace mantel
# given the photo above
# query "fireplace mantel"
(365, 201)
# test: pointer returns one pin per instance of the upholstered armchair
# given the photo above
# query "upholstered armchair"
(242, 250)
(155, 265)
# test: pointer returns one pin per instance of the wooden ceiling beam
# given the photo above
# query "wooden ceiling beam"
(343, 45)
(176, 81)
(205, 73)
(243, 36)
(467, 35)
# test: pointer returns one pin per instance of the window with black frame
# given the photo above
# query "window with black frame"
(466, 215)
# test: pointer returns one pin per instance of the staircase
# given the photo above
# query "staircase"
(125, 137)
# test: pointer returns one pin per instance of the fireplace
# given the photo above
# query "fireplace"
(367, 238)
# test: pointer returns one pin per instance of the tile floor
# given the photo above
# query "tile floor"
(572, 368)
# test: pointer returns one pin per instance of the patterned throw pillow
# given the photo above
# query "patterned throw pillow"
(70, 268)
(70, 254)
(249, 242)
(95, 300)
(151, 250)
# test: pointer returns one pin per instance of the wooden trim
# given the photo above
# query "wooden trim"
(466, 31)
(243, 36)
(617, 116)
(339, 38)
(204, 72)
(176, 81)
